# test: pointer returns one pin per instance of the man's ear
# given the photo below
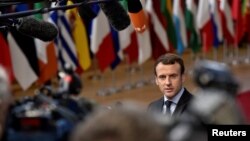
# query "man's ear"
(183, 77)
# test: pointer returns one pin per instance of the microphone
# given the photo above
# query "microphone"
(85, 11)
(116, 14)
(137, 15)
(42, 30)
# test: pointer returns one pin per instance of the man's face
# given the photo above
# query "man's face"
(169, 79)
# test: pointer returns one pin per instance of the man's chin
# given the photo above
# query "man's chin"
(169, 95)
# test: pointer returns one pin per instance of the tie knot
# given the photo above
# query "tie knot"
(168, 103)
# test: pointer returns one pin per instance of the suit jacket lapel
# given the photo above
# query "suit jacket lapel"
(182, 104)
(160, 104)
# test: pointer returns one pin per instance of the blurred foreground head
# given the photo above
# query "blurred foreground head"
(5, 97)
(214, 75)
(215, 101)
(121, 123)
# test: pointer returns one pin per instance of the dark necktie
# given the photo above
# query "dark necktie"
(168, 104)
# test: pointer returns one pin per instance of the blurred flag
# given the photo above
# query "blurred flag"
(129, 44)
(247, 21)
(227, 21)
(144, 42)
(128, 40)
(65, 46)
(180, 27)
(41, 46)
(204, 24)
(117, 49)
(157, 26)
(142, 49)
(238, 17)
(190, 19)
(23, 55)
(145, 48)
(46, 53)
(166, 10)
(101, 41)
(5, 58)
(80, 37)
(216, 20)
(23, 71)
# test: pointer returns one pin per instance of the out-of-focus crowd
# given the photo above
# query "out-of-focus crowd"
(62, 115)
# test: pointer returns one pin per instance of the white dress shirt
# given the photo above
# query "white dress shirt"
(175, 100)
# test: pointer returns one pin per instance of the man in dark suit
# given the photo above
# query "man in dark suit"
(169, 76)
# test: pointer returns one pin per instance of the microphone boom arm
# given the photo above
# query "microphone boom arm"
(46, 10)
(38, 11)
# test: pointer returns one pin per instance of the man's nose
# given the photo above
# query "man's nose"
(167, 81)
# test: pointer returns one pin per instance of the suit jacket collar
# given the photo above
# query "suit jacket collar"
(157, 105)
(183, 102)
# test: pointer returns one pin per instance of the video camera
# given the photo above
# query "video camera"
(49, 115)
(39, 118)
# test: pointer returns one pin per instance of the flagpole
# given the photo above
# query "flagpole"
(194, 58)
(247, 59)
(203, 49)
(142, 81)
(113, 89)
(99, 77)
(102, 90)
(236, 55)
(225, 51)
(236, 49)
(128, 85)
(215, 53)
(96, 75)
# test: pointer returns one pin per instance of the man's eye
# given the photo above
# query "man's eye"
(174, 76)
(162, 77)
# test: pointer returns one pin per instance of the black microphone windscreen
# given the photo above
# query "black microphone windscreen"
(85, 11)
(116, 14)
(42, 30)
(134, 6)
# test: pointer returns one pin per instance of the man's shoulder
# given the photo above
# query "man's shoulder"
(155, 106)
(186, 97)
(187, 93)
(156, 102)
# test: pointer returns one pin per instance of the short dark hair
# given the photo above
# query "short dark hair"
(168, 59)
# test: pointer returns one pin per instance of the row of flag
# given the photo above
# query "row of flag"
(173, 25)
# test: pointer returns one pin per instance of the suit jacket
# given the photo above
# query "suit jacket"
(156, 106)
